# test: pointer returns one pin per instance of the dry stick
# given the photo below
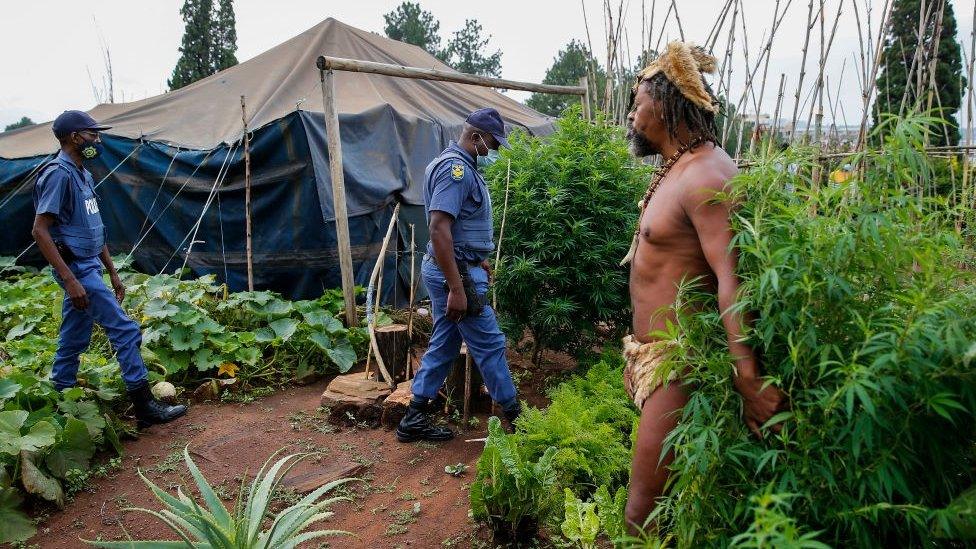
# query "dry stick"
(592, 64)
(773, 137)
(247, 198)
(650, 32)
(664, 25)
(803, 70)
(413, 287)
(371, 320)
(501, 234)
(934, 55)
(726, 65)
(969, 123)
(677, 17)
(718, 26)
(869, 91)
(762, 86)
(748, 86)
(862, 76)
(825, 47)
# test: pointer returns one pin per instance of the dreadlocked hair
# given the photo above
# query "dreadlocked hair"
(677, 109)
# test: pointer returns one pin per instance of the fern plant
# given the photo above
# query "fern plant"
(211, 525)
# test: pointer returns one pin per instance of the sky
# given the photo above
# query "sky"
(53, 50)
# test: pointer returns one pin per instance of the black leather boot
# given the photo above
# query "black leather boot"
(150, 411)
(416, 425)
(512, 414)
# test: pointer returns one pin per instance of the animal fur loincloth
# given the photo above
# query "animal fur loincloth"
(645, 369)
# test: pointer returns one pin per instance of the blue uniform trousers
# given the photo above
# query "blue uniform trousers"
(76, 329)
(485, 340)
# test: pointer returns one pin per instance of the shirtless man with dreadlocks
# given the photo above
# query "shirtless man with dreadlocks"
(683, 234)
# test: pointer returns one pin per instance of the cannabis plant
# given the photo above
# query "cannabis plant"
(864, 306)
(570, 217)
(211, 525)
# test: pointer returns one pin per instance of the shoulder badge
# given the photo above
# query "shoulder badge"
(457, 171)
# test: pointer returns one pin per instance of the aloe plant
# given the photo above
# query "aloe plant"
(211, 525)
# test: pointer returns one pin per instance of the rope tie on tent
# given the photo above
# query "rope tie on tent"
(100, 181)
(175, 196)
(26, 180)
(224, 168)
(158, 191)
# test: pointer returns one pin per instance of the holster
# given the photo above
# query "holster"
(475, 304)
(67, 255)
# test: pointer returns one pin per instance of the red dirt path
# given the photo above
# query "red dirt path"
(230, 440)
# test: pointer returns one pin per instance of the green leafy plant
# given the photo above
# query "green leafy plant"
(863, 295)
(211, 525)
(570, 218)
(581, 525)
(193, 331)
(510, 493)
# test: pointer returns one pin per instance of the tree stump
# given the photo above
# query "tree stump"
(395, 405)
(353, 399)
(394, 344)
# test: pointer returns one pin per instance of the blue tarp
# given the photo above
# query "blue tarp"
(159, 192)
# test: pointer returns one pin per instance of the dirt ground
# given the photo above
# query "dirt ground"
(231, 441)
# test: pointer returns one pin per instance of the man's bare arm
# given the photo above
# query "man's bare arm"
(42, 235)
(443, 244)
(710, 218)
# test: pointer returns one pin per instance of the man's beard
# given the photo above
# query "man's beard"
(639, 145)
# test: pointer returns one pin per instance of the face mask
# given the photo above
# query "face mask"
(89, 150)
(487, 159)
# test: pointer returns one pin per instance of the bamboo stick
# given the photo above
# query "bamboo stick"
(803, 70)
(501, 234)
(871, 82)
(774, 136)
(247, 198)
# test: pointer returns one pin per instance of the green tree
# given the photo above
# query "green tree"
(408, 23)
(22, 123)
(569, 65)
(906, 62)
(196, 51)
(464, 51)
(224, 36)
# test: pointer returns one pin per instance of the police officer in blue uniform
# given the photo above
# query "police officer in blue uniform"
(456, 273)
(68, 230)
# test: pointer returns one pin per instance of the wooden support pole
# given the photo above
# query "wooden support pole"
(466, 405)
(328, 64)
(331, 114)
(247, 198)
(585, 98)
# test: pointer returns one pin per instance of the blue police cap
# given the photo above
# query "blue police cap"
(75, 121)
(488, 120)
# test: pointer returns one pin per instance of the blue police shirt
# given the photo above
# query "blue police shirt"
(454, 186)
(68, 193)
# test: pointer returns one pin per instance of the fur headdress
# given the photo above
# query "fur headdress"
(684, 65)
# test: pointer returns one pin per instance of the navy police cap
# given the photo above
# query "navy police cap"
(75, 121)
(488, 120)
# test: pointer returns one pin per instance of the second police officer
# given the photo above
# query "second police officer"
(456, 273)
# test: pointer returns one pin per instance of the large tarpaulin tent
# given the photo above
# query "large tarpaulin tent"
(175, 160)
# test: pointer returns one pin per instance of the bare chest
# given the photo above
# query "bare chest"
(664, 222)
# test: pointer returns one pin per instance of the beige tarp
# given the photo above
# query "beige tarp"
(280, 81)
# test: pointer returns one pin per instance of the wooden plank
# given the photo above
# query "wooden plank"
(331, 115)
(327, 63)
